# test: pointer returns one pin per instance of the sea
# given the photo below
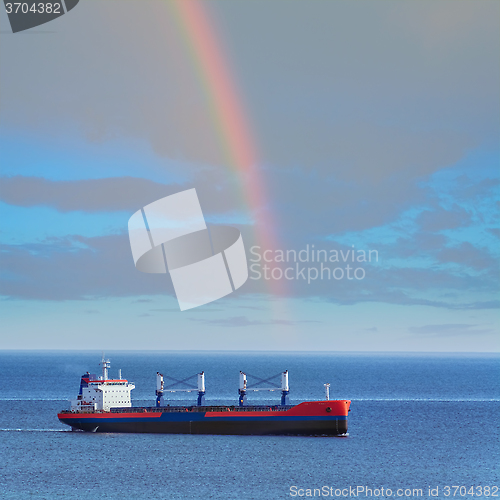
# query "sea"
(421, 425)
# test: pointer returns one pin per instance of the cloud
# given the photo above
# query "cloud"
(362, 65)
(469, 256)
(366, 153)
(165, 309)
(238, 321)
(348, 105)
(469, 189)
(86, 195)
(414, 298)
(335, 85)
(80, 268)
(437, 252)
(449, 329)
(76, 268)
(117, 193)
(439, 219)
(352, 108)
(495, 231)
(170, 310)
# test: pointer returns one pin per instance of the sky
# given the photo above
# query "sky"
(364, 134)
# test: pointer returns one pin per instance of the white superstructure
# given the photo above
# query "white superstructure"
(102, 393)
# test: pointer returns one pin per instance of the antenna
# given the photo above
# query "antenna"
(159, 388)
(327, 391)
(242, 391)
(105, 365)
(285, 389)
(201, 389)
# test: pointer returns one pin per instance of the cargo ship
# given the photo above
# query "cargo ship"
(104, 405)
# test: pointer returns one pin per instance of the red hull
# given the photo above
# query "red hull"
(315, 417)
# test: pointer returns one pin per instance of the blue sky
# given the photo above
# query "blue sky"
(381, 133)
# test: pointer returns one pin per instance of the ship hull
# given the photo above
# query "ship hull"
(311, 418)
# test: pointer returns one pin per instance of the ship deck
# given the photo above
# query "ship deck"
(201, 409)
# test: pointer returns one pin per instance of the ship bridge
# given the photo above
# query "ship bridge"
(102, 393)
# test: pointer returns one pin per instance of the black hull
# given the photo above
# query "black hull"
(309, 418)
(296, 427)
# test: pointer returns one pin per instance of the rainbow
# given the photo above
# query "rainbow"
(227, 112)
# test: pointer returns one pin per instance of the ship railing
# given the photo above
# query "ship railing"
(201, 409)
(183, 409)
(263, 408)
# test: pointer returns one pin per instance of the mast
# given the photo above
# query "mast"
(327, 391)
(159, 388)
(285, 390)
(201, 389)
(242, 391)
(105, 364)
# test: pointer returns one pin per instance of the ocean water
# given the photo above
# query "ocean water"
(419, 423)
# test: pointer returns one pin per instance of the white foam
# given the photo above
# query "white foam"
(34, 430)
